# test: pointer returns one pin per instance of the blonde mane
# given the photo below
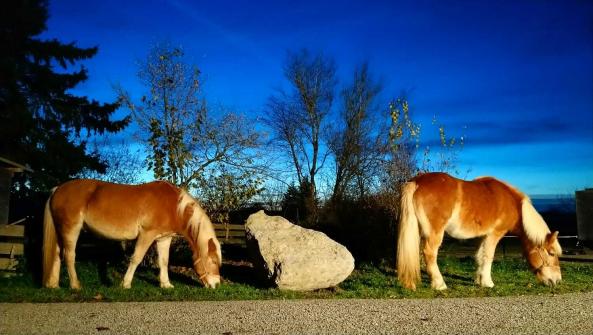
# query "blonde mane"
(199, 226)
(534, 225)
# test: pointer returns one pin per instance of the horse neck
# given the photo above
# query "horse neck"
(527, 245)
(199, 231)
(193, 243)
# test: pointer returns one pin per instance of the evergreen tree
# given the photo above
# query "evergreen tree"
(41, 123)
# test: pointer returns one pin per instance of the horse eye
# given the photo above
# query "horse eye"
(551, 253)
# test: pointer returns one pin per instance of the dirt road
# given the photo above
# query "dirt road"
(548, 314)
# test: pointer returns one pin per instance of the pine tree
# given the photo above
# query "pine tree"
(41, 123)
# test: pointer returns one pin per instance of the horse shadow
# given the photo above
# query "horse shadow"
(458, 278)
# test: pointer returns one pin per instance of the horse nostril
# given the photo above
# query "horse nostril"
(554, 281)
(211, 285)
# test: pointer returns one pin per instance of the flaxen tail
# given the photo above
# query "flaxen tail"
(408, 242)
(50, 245)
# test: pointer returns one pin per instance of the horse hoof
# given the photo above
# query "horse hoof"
(484, 283)
(488, 285)
(126, 285)
(167, 285)
(439, 287)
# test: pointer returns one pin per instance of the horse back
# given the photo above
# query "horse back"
(494, 203)
(471, 208)
(434, 199)
(117, 211)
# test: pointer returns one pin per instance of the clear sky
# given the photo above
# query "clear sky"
(516, 77)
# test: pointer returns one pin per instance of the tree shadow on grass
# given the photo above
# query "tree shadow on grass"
(459, 278)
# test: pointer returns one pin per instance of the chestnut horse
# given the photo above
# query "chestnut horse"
(148, 212)
(435, 203)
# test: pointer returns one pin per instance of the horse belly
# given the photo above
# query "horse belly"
(113, 229)
(457, 228)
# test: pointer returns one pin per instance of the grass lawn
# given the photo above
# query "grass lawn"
(510, 275)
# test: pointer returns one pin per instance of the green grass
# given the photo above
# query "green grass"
(510, 276)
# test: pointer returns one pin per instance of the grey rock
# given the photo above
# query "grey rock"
(295, 258)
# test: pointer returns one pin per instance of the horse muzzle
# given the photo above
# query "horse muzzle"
(211, 281)
(549, 276)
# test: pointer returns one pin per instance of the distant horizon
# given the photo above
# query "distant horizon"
(552, 196)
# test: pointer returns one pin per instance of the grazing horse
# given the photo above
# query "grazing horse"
(148, 212)
(435, 203)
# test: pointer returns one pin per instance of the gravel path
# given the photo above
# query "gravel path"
(549, 314)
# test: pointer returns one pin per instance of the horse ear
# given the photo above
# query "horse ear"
(211, 246)
(213, 251)
(552, 237)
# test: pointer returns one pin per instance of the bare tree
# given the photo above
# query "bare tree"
(358, 143)
(298, 117)
(185, 142)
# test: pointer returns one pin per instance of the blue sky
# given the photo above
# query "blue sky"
(515, 77)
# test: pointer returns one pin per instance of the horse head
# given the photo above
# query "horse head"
(200, 233)
(207, 265)
(544, 262)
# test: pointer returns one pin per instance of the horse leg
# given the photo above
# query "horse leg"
(484, 258)
(432, 242)
(142, 244)
(163, 244)
(69, 238)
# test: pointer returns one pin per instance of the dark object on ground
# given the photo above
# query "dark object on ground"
(584, 202)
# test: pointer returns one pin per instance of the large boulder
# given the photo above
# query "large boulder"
(295, 258)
